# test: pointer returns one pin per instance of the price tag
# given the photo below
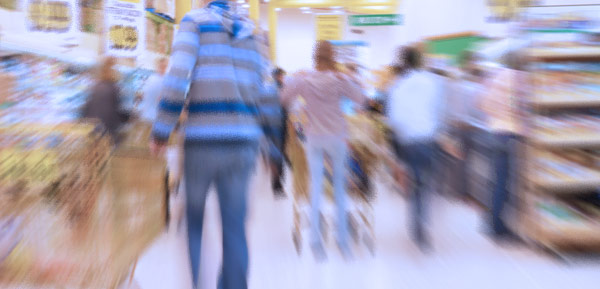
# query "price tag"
(51, 16)
(125, 28)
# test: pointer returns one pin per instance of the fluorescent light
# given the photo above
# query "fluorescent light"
(377, 7)
(336, 7)
(241, 1)
(267, 1)
(277, 9)
(246, 6)
(304, 8)
(307, 12)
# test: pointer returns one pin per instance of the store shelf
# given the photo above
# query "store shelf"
(570, 185)
(565, 53)
(580, 233)
(568, 140)
(576, 51)
(566, 103)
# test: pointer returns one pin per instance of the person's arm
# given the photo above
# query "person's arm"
(85, 110)
(116, 102)
(291, 91)
(177, 81)
(270, 115)
(353, 91)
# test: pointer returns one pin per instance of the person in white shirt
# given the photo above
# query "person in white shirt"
(415, 116)
(151, 98)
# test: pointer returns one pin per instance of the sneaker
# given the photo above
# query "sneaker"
(422, 241)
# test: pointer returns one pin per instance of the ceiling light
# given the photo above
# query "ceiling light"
(241, 1)
(306, 11)
(277, 9)
(246, 6)
(377, 7)
(336, 7)
(304, 8)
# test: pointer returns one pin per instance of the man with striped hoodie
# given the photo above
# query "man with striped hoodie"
(217, 68)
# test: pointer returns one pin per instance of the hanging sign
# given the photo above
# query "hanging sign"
(124, 28)
(329, 27)
(375, 20)
(506, 10)
(52, 17)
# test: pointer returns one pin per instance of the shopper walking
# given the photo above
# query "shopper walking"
(415, 117)
(278, 167)
(500, 103)
(104, 102)
(323, 89)
(216, 64)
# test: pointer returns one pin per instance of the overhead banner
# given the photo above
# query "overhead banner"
(125, 28)
(329, 27)
(52, 17)
(375, 20)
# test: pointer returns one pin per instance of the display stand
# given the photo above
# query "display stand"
(561, 211)
(84, 211)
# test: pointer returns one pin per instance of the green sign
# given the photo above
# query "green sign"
(375, 20)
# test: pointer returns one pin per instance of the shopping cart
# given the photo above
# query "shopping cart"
(361, 167)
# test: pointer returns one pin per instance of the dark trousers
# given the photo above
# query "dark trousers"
(504, 151)
(466, 136)
(278, 176)
(419, 158)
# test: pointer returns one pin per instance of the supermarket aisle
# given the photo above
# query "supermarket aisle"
(463, 257)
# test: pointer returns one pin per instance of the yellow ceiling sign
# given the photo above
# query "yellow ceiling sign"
(329, 27)
(506, 10)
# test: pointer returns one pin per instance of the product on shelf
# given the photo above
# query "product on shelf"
(568, 82)
(54, 176)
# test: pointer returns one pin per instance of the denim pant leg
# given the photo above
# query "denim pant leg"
(338, 151)
(315, 164)
(198, 177)
(500, 194)
(419, 158)
(232, 187)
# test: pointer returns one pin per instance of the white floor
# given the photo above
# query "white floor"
(462, 257)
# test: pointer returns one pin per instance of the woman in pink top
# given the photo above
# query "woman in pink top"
(323, 89)
(501, 105)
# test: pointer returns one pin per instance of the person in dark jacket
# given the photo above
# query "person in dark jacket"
(278, 166)
(104, 101)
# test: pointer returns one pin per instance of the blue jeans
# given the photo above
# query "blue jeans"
(337, 150)
(503, 156)
(228, 167)
(419, 157)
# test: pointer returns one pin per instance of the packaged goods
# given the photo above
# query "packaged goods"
(55, 178)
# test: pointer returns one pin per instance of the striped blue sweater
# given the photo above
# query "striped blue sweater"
(219, 65)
